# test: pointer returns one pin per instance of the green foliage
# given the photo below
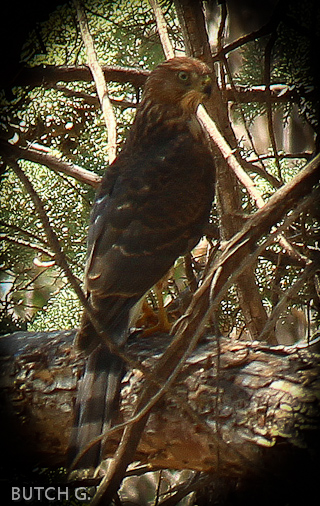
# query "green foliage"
(65, 120)
(123, 31)
(71, 129)
(29, 281)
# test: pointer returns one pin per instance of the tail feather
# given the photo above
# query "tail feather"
(97, 401)
(99, 389)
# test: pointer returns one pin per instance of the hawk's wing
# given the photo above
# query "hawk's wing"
(150, 209)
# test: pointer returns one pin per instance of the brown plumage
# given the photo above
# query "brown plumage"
(151, 208)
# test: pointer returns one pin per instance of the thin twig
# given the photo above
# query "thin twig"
(16, 228)
(99, 79)
(182, 490)
(310, 270)
(191, 278)
(282, 156)
(267, 80)
(26, 244)
(222, 25)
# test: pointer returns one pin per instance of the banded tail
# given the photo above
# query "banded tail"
(97, 403)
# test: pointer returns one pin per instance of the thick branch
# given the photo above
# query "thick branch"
(193, 28)
(52, 74)
(259, 397)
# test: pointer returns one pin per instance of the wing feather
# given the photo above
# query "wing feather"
(138, 230)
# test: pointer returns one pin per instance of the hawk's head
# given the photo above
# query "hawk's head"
(180, 81)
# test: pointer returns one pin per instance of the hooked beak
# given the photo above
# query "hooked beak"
(206, 86)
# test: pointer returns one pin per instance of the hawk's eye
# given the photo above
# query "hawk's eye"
(183, 76)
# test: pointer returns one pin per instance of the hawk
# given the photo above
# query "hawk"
(151, 207)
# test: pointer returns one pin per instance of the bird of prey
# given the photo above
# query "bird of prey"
(151, 207)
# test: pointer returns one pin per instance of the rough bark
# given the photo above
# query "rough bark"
(236, 414)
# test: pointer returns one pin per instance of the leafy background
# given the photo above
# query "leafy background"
(65, 120)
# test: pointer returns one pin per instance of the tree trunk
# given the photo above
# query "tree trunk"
(192, 21)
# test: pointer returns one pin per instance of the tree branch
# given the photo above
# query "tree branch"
(27, 244)
(21, 231)
(33, 155)
(162, 29)
(52, 74)
(91, 99)
(237, 169)
(240, 435)
(227, 153)
(99, 79)
(267, 80)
